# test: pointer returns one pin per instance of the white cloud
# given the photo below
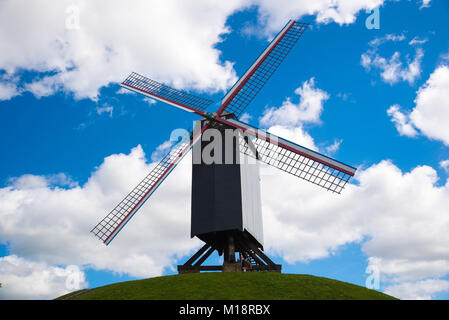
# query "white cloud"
(150, 101)
(29, 181)
(49, 224)
(161, 150)
(400, 218)
(287, 121)
(381, 212)
(308, 109)
(420, 290)
(44, 87)
(245, 117)
(82, 60)
(339, 11)
(388, 37)
(431, 112)
(294, 134)
(445, 165)
(24, 279)
(425, 4)
(8, 91)
(124, 91)
(70, 51)
(105, 108)
(417, 41)
(401, 121)
(333, 148)
(393, 70)
(430, 115)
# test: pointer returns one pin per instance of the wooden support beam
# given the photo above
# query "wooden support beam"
(204, 257)
(255, 257)
(231, 248)
(197, 255)
(262, 255)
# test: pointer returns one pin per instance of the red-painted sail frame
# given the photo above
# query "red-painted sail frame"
(247, 87)
(177, 98)
(108, 228)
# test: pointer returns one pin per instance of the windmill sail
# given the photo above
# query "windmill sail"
(295, 159)
(183, 100)
(111, 225)
(244, 91)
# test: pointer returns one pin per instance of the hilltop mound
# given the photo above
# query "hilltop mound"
(230, 286)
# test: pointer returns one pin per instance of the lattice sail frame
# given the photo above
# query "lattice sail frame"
(294, 159)
(244, 91)
(161, 92)
(111, 225)
(297, 165)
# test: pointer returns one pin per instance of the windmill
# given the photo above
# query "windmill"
(226, 203)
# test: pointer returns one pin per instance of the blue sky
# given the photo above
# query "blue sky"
(371, 91)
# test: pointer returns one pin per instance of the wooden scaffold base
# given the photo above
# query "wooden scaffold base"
(228, 244)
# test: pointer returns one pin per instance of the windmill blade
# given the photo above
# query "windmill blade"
(110, 226)
(294, 159)
(247, 87)
(183, 100)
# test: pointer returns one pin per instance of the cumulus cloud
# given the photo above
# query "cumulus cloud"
(388, 37)
(64, 42)
(417, 41)
(393, 70)
(294, 134)
(401, 121)
(333, 148)
(430, 115)
(425, 4)
(445, 165)
(431, 112)
(8, 91)
(24, 279)
(67, 50)
(150, 101)
(49, 224)
(342, 12)
(288, 120)
(400, 218)
(161, 150)
(420, 290)
(308, 109)
(105, 108)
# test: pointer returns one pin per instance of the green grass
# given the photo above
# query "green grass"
(232, 285)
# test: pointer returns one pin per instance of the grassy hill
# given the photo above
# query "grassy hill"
(229, 286)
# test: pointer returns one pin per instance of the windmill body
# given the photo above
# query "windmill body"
(226, 201)
(226, 196)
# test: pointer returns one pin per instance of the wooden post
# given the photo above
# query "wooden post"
(231, 248)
